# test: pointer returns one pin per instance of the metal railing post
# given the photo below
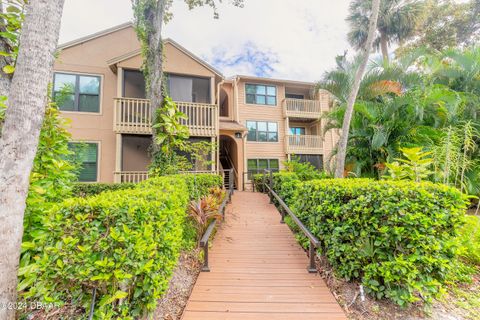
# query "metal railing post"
(205, 267)
(282, 213)
(314, 242)
(311, 252)
(264, 182)
(270, 183)
(230, 180)
(92, 304)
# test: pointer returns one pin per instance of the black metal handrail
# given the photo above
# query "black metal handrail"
(314, 242)
(206, 236)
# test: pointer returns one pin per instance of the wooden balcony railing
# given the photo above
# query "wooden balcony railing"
(304, 144)
(132, 116)
(130, 176)
(135, 116)
(301, 108)
(202, 118)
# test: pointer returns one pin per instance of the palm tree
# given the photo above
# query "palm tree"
(352, 96)
(397, 22)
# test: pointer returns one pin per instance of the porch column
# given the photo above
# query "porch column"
(287, 132)
(119, 82)
(214, 155)
(118, 158)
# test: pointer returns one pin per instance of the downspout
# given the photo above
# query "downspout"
(235, 97)
(217, 155)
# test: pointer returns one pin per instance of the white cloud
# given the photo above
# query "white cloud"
(292, 39)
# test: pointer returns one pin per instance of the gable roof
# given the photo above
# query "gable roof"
(112, 62)
(285, 81)
(94, 35)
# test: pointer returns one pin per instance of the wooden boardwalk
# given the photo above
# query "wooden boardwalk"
(258, 271)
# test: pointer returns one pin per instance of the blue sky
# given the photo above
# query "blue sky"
(288, 39)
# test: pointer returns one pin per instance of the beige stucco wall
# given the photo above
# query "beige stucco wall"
(263, 150)
(277, 150)
(91, 57)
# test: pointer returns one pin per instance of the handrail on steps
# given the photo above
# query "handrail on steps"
(314, 242)
(206, 236)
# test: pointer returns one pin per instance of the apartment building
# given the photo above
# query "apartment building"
(257, 123)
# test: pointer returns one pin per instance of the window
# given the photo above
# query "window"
(258, 165)
(86, 155)
(297, 131)
(75, 92)
(261, 94)
(294, 96)
(262, 131)
(189, 89)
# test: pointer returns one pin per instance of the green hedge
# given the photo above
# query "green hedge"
(395, 236)
(84, 190)
(198, 184)
(125, 243)
(469, 238)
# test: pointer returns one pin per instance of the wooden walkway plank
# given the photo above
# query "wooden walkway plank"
(258, 271)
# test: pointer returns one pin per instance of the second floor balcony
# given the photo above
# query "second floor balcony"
(303, 108)
(304, 144)
(134, 116)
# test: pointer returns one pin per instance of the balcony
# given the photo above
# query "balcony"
(301, 108)
(130, 176)
(304, 144)
(134, 116)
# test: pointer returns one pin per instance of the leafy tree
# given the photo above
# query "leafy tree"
(150, 16)
(447, 23)
(11, 18)
(427, 100)
(397, 21)
(342, 143)
(24, 116)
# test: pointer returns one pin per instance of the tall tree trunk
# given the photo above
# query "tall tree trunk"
(384, 47)
(20, 133)
(149, 25)
(154, 58)
(343, 141)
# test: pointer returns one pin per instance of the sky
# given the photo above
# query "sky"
(286, 39)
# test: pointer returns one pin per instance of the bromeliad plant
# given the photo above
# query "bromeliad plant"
(202, 212)
(206, 209)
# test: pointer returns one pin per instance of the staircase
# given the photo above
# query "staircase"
(227, 164)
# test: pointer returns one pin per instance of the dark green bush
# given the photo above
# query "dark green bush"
(197, 185)
(304, 170)
(395, 236)
(125, 243)
(84, 190)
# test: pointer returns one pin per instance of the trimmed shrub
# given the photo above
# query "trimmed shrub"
(84, 190)
(198, 185)
(124, 243)
(395, 236)
(469, 238)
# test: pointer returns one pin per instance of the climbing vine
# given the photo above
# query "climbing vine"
(169, 142)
